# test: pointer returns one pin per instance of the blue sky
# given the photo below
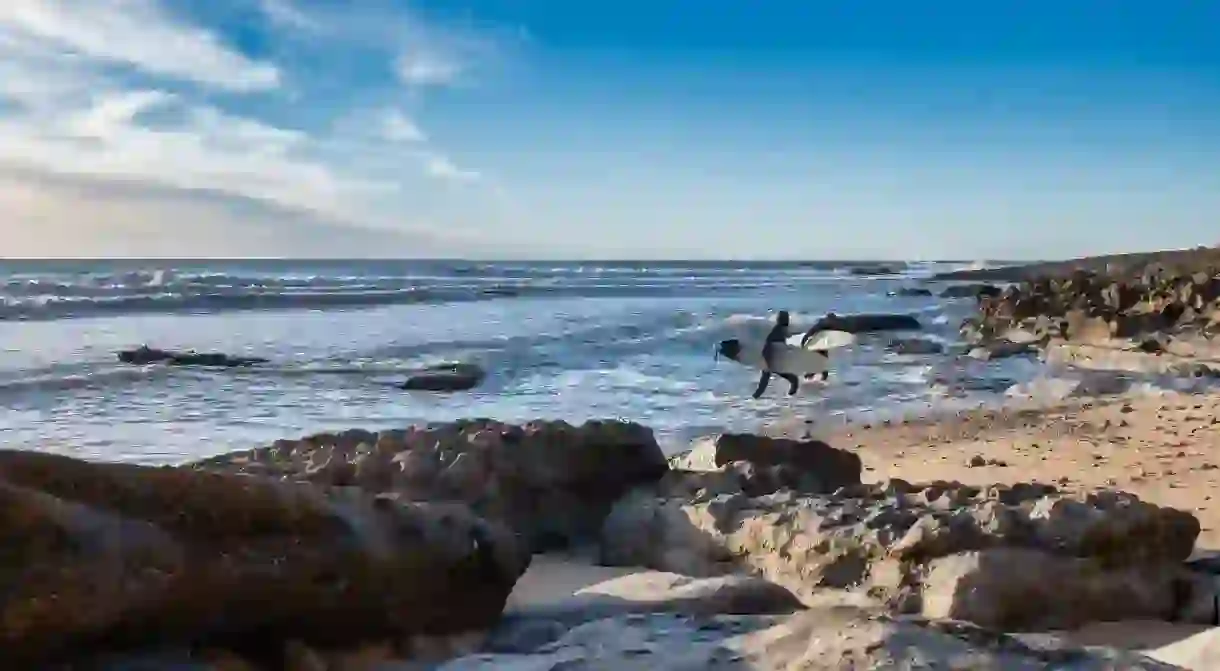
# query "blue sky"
(510, 128)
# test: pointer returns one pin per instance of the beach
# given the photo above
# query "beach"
(952, 497)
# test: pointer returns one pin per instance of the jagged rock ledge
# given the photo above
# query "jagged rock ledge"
(1146, 310)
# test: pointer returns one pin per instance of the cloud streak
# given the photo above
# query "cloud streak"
(135, 33)
(128, 92)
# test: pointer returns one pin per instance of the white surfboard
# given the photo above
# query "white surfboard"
(824, 340)
(787, 358)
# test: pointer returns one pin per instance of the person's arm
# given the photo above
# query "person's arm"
(764, 378)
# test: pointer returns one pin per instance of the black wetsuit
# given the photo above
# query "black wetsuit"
(778, 334)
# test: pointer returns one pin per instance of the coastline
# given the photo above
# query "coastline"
(1002, 536)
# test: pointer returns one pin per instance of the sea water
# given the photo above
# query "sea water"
(570, 341)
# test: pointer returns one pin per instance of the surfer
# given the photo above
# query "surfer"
(778, 334)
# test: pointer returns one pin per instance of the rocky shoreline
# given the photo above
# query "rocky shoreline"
(400, 549)
(1155, 313)
(989, 539)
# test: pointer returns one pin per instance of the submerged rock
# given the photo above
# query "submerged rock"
(446, 377)
(145, 355)
(970, 291)
(915, 346)
(911, 292)
(864, 323)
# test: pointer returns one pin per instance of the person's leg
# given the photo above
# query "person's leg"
(793, 383)
(763, 380)
(768, 353)
(826, 373)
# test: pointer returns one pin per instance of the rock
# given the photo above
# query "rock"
(1010, 587)
(832, 468)
(1000, 349)
(834, 638)
(886, 539)
(1124, 301)
(970, 291)
(1085, 328)
(915, 346)
(144, 355)
(552, 482)
(864, 323)
(911, 292)
(448, 377)
(874, 270)
(640, 593)
(105, 557)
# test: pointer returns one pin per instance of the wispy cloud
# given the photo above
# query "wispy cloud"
(439, 165)
(285, 13)
(136, 33)
(398, 127)
(129, 92)
(422, 69)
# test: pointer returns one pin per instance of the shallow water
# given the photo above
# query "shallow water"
(576, 342)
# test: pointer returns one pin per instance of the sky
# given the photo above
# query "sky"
(787, 129)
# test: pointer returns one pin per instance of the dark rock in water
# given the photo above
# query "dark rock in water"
(864, 323)
(874, 270)
(970, 291)
(107, 557)
(550, 481)
(915, 346)
(446, 377)
(911, 291)
(145, 355)
(1001, 349)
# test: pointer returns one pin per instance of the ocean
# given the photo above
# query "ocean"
(561, 340)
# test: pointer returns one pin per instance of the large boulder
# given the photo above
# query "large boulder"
(943, 549)
(553, 482)
(113, 556)
(827, 468)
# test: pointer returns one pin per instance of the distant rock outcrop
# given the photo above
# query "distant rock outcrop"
(1088, 307)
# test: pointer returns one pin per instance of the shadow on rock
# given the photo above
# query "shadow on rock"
(117, 556)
